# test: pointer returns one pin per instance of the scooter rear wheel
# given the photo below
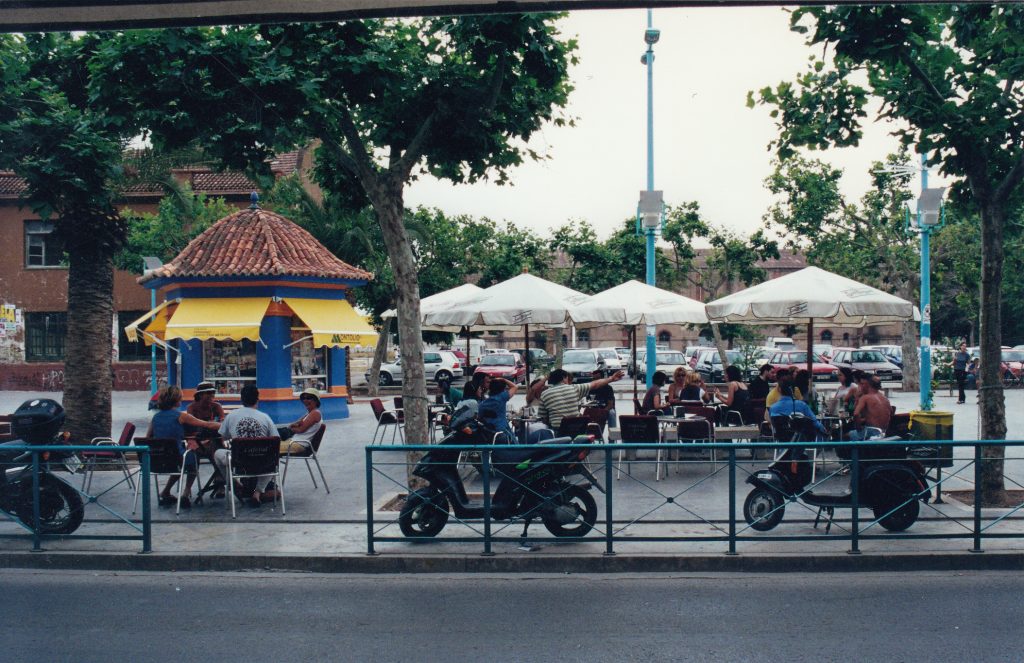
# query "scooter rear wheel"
(901, 518)
(579, 499)
(425, 513)
(763, 509)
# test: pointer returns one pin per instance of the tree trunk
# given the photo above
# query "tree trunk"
(88, 349)
(379, 354)
(388, 203)
(992, 413)
(911, 364)
(720, 344)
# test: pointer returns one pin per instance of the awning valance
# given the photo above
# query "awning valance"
(155, 328)
(218, 318)
(333, 322)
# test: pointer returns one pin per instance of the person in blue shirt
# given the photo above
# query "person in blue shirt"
(494, 408)
(787, 406)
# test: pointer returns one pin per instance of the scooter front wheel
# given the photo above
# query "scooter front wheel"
(763, 509)
(572, 513)
(425, 513)
(61, 509)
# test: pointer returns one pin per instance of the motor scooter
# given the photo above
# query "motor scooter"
(890, 484)
(61, 510)
(533, 484)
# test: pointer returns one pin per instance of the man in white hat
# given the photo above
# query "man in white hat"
(296, 436)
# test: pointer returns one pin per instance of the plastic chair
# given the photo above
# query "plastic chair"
(102, 458)
(698, 430)
(573, 426)
(304, 453)
(254, 457)
(385, 419)
(637, 429)
(164, 460)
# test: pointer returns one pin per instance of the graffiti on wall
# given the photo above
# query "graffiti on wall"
(127, 376)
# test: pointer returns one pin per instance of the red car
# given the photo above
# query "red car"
(507, 365)
(821, 370)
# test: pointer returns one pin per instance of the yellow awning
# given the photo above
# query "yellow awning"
(333, 322)
(156, 327)
(219, 318)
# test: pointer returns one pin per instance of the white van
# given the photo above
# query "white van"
(780, 343)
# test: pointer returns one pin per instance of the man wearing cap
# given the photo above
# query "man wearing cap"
(296, 436)
(204, 406)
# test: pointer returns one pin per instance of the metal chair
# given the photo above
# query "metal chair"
(385, 419)
(698, 430)
(102, 458)
(637, 429)
(254, 457)
(165, 460)
(304, 453)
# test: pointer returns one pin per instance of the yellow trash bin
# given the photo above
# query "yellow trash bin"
(933, 425)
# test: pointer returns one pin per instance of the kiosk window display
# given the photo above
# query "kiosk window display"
(229, 365)
(309, 364)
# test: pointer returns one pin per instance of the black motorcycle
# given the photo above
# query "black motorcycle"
(890, 484)
(533, 483)
(61, 510)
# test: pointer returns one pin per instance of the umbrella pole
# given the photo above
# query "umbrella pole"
(468, 358)
(526, 333)
(810, 353)
(633, 359)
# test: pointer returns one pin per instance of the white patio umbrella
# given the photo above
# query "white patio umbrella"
(648, 305)
(807, 296)
(526, 300)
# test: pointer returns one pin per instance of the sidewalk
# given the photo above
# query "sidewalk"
(328, 531)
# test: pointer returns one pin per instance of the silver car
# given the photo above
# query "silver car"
(612, 362)
(443, 364)
(581, 364)
(869, 361)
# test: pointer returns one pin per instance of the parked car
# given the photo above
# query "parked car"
(894, 353)
(539, 358)
(667, 362)
(507, 365)
(824, 350)
(869, 361)
(443, 364)
(623, 354)
(1013, 361)
(709, 364)
(780, 343)
(612, 362)
(581, 364)
(692, 352)
(641, 355)
(821, 370)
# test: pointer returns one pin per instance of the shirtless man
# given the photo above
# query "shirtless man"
(873, 408)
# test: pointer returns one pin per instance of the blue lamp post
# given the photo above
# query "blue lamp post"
(150, 263)
(650, 211)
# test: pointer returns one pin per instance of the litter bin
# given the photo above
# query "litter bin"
(932, 426)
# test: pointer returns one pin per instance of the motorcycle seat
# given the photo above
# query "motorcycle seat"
(827, 499)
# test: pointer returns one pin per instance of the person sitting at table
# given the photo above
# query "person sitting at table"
(205, 407)
(675, 388)
(652, 403)
(873, 410)
(297, 436)
(802, 381)
(782, 377)
(493, 410)
(737, 399)
(534, 391)
(694, 389)
(787, 406)
(561, 398)
(603, 396)
(760, 386)
(845, 396)
(169, 422)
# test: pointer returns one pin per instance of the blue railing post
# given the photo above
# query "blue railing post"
(147, 521)
(609, 548)
(36, 541)
(977, 500)
(855, 500)
(732, 500)
(369, 501)
(485, 457)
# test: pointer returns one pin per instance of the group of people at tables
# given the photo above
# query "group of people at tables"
(205, 430)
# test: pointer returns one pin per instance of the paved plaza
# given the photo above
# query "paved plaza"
(318, 523)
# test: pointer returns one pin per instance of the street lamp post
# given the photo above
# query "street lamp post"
(651, 205)
(150, 263)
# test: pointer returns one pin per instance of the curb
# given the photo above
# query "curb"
(564, 564)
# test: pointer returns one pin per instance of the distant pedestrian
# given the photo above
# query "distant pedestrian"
(960, 361)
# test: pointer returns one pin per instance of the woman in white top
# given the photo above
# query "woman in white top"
(846, 395)
(297, 435)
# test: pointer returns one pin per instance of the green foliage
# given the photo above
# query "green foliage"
(178, 220)
(510, 251)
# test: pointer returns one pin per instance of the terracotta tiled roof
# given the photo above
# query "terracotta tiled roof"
(286, 163)
(255, 242)
(10, 184)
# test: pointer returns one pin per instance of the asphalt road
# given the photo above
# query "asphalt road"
(86, 616)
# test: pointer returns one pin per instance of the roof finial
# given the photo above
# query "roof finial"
(526, 269)
(254, 200)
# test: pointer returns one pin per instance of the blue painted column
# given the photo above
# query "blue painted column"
(652, 357)
(926, 305)
(191, 362)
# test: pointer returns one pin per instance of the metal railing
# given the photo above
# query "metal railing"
(142, 526)
(624, 523)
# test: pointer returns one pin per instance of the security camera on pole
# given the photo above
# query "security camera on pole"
(650, 211)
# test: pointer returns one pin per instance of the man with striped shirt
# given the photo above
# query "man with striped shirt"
(562, 398)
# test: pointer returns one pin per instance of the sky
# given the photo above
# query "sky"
(708, 145)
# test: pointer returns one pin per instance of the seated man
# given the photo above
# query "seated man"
(783, 377)
(787, 406)
(494, 408)
(873, 410)
(246, 422)
(562, 398)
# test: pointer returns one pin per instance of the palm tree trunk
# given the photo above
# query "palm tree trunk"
(88, 347)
